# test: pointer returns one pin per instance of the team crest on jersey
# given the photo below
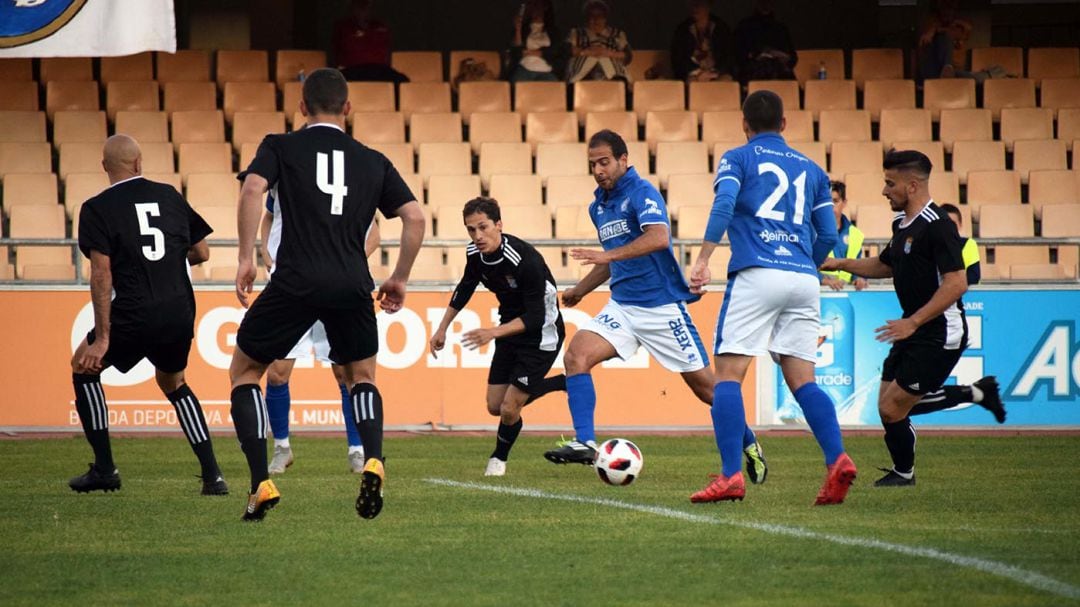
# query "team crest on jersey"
(625, 204)
(907, 245)
(725, 166)
(510, 281)
(26, 21)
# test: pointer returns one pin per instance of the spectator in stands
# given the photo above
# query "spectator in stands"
(763, 46)
(535, 50)
(362, 46)
(598, 51)
(943, 43)
(971, 248)
(849, 246)
(702, 47)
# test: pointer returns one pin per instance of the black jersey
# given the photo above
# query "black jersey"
(523, 284)
(327, 186)
(146, 229)
(919, 253)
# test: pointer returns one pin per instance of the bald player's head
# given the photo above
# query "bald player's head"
(121, 158)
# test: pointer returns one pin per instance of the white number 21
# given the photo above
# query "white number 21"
(337, 190)
(768, 208)
(145, 211)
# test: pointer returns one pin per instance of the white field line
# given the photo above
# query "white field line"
(1010, 572)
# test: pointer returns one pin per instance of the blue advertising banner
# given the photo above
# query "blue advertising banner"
(1027, 338)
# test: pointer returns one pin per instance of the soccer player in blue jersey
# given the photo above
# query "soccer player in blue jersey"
(777, 209)
(648, 300)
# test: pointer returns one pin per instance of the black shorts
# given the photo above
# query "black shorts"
(919, 368)
(277, 320)
(522, 366)
(125, 351)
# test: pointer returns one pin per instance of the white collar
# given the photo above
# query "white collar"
(126, 180)
(905, 223)
(329, 124)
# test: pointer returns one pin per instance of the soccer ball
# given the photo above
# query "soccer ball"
(618, 462)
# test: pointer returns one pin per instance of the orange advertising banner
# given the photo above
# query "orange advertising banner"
(42, 327)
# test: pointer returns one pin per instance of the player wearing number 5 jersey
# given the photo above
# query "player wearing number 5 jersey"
(139, 236)
(328, 187)
(776, 207)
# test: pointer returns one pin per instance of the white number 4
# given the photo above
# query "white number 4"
(145, 211)
(768, 208)
(337, 190)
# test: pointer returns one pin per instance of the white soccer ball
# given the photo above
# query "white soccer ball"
(618, 462)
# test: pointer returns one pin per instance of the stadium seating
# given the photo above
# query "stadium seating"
(945, 187)
(688, 190)
(138, 95)
(189, 96)
(145, 127)
(561, 159)
(494, 127)
(401, 155)
(63, 95)
(80, 157)
(680, 157)
(80, 187)
(714, 97)
(723, 125)
(423, 98)
(1068, 128)
(876, 64)
(444, 159)
(528, 221)
(539, 97)
(204, 158)
(1008, 93)
(436, 127)
(452, 190)
(183, 66)
(1057, 93)
(977, 156)
(811, 61)
(19, 97)
(78, 126)
(504, 159)
(16, 69)
(1060, 220)
(290, 64)
(786, 89)
(569, 190)
(1026, 123)
(1053, 63)
(965, 125)
(800, 126)
(658, 96)
(242, 66)
(491, 59)
(649, 65)
(371, 97)
(1039, 154)
(843, 125)
(419, 66)
(623, 123)
(379, 127)
(38, 221)
(30, 189)
(22, 127)
(874, 219)
(201, 126)
(934, 150)
(251, 127)
(948, 94)
(1006, 221)
(670, 126)
(598, 96)
(550, 127)
(991, 188)
(483, 97)
(157, 157)
(904, 125)
(1009, 57)
(855, 157)
(881, 95)
(138, 67)
(53, 69)
(1052, 187)
(248, 97)
(212, 189)
(829, 95)
(517, 190)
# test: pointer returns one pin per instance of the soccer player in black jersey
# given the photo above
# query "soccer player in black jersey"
(328, 187)
(139, 236)
(925, 260)
(530, 332)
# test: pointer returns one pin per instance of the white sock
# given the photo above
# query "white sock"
(356, 449)
(907, 475)
(281, 442)
(976, 394)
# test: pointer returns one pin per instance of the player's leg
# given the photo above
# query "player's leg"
(509, 401)
(352, 435)
(894, 405)
(94, 415)
(278, 405)
(984, 392)
(524, 369)
(588, 348)
(192, 421)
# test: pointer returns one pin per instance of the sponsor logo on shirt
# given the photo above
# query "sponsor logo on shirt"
(907, 248)
(782, 251)
(613, 229)
(783, 154)
(725, 166)
(652, 207)
(768, 236)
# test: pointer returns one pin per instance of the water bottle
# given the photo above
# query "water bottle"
(301, 75)
(822, 72)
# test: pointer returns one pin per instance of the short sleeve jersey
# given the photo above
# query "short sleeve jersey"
(919, 253)
(524, 286)
(779, 191)
(146, 229)
(327, 186)
(620, 216)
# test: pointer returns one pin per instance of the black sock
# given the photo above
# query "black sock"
(368, 417)
(192, 421)
(504, 439)
(945, 398)
(249, 417)
(94, 415)
(900, 439)
(554, 383)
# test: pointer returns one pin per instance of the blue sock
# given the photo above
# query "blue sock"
(347, 413)
(729, 425)
(581, 394)
(748, 437)
(820, 414)
(277, 409)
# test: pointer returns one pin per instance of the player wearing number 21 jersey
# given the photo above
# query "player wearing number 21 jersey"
(776, 206)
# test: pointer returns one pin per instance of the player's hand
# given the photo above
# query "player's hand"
(92, 357)
(245, 279)
(437, 342)
(391, 295)
(699, 278)
(831, 264)
(833, 282)
(477, 338)
(896, 330)
(570, 297)
(861, 283)
(590, 256)
(264, 256)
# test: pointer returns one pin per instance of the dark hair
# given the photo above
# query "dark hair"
(908, 160)
(763, 111)
(325, 91)
(840, 189)
(611, 139)
(952, 209)
(482, 204)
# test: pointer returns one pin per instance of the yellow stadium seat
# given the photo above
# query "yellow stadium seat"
(561, 159)
(222, 218)
(1061, 220)
(198, 126)
(649, 64)
(517, 190)
(504, 159)
(157, 157)
(66, 69)
(1026, 123)
(1006, 221)
(248, 97)
(1039, 154)
(30, 188)
(247, 154)
(714, 97)
(78, 126)
(38, 221)
(415, 184)
(800, 125)
(423, 98)
(436, 127)
(128, 68)
(553, 257)
(965, 125)
(1052, 187)
(291, 63)
(1053, 63)
(1020, 254)
(190, 96)
(570, 190)
(623, 123)
(788, 90)
(882, 95)
(1006, 93)
(904, 125)
(48, 272)
(1009, 57)
(145, 127)
(205, 158)
(452, 190)
(528, 221)
(539, 97)
(670, 126)
(19, 97)
(720, 148)
(934, 150)
(291, 94)
(242, 66)
(444, 159)
(718, 264)
(680, 157)
(16, 69)
(992, 188)
(134, 96)
(689, 190)
(855, 157)
(1042, 271)
(864, 188)
(875, 219)
(1068, 128)
(399, 154)
(637, 153)
(372, 97)
(945, 187)
(212, 189)
(1057, 93)
(692, 221)
(491, 59)
(843, 125)
(724, 126)
(379, 127)
(948, 94)
(183, 66)
(658, 96)
(22, 127)
(599, 96)
(829, 95)
(977, 156)
(419, 66)
(81, 187)
(811, 60)
(550, 127)
(573, 222)
(64, 95)
(252, 127)
(813, 150)
(494, 127)
(876, 64)
(173, 179)
(490, 96)
(80, 157)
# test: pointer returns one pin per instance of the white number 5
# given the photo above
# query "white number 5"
(145, 211)
(337, 190)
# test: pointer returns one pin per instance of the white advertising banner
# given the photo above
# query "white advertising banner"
(85, 28)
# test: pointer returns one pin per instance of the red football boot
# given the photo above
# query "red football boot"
(721, 489)
(837, 482)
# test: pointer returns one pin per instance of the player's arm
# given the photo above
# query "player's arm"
(249, 214)
(726, 190)
(373, 239)
(531, 275)
(598, 275)
(654, 237)
(460, 298)
(392, 291)
(264, 238)
(199, 252)
(867, 267)
(101, 285)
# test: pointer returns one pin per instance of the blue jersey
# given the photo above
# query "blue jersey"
(776, 206)
(620, 216)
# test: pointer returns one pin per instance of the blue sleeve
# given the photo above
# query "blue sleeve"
(270, 203)
(824, 221)
(726, 187)
(649, 207)
(974, 273)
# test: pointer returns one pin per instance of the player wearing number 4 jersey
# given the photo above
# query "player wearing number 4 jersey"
(776, 207)
(328, 187)
(139, 236)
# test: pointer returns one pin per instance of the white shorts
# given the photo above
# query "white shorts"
(314, 339)
(667, 332)
(770, 311)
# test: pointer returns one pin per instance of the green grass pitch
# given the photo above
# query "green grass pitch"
(1001, 512)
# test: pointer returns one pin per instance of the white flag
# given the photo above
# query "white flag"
(85, 28)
